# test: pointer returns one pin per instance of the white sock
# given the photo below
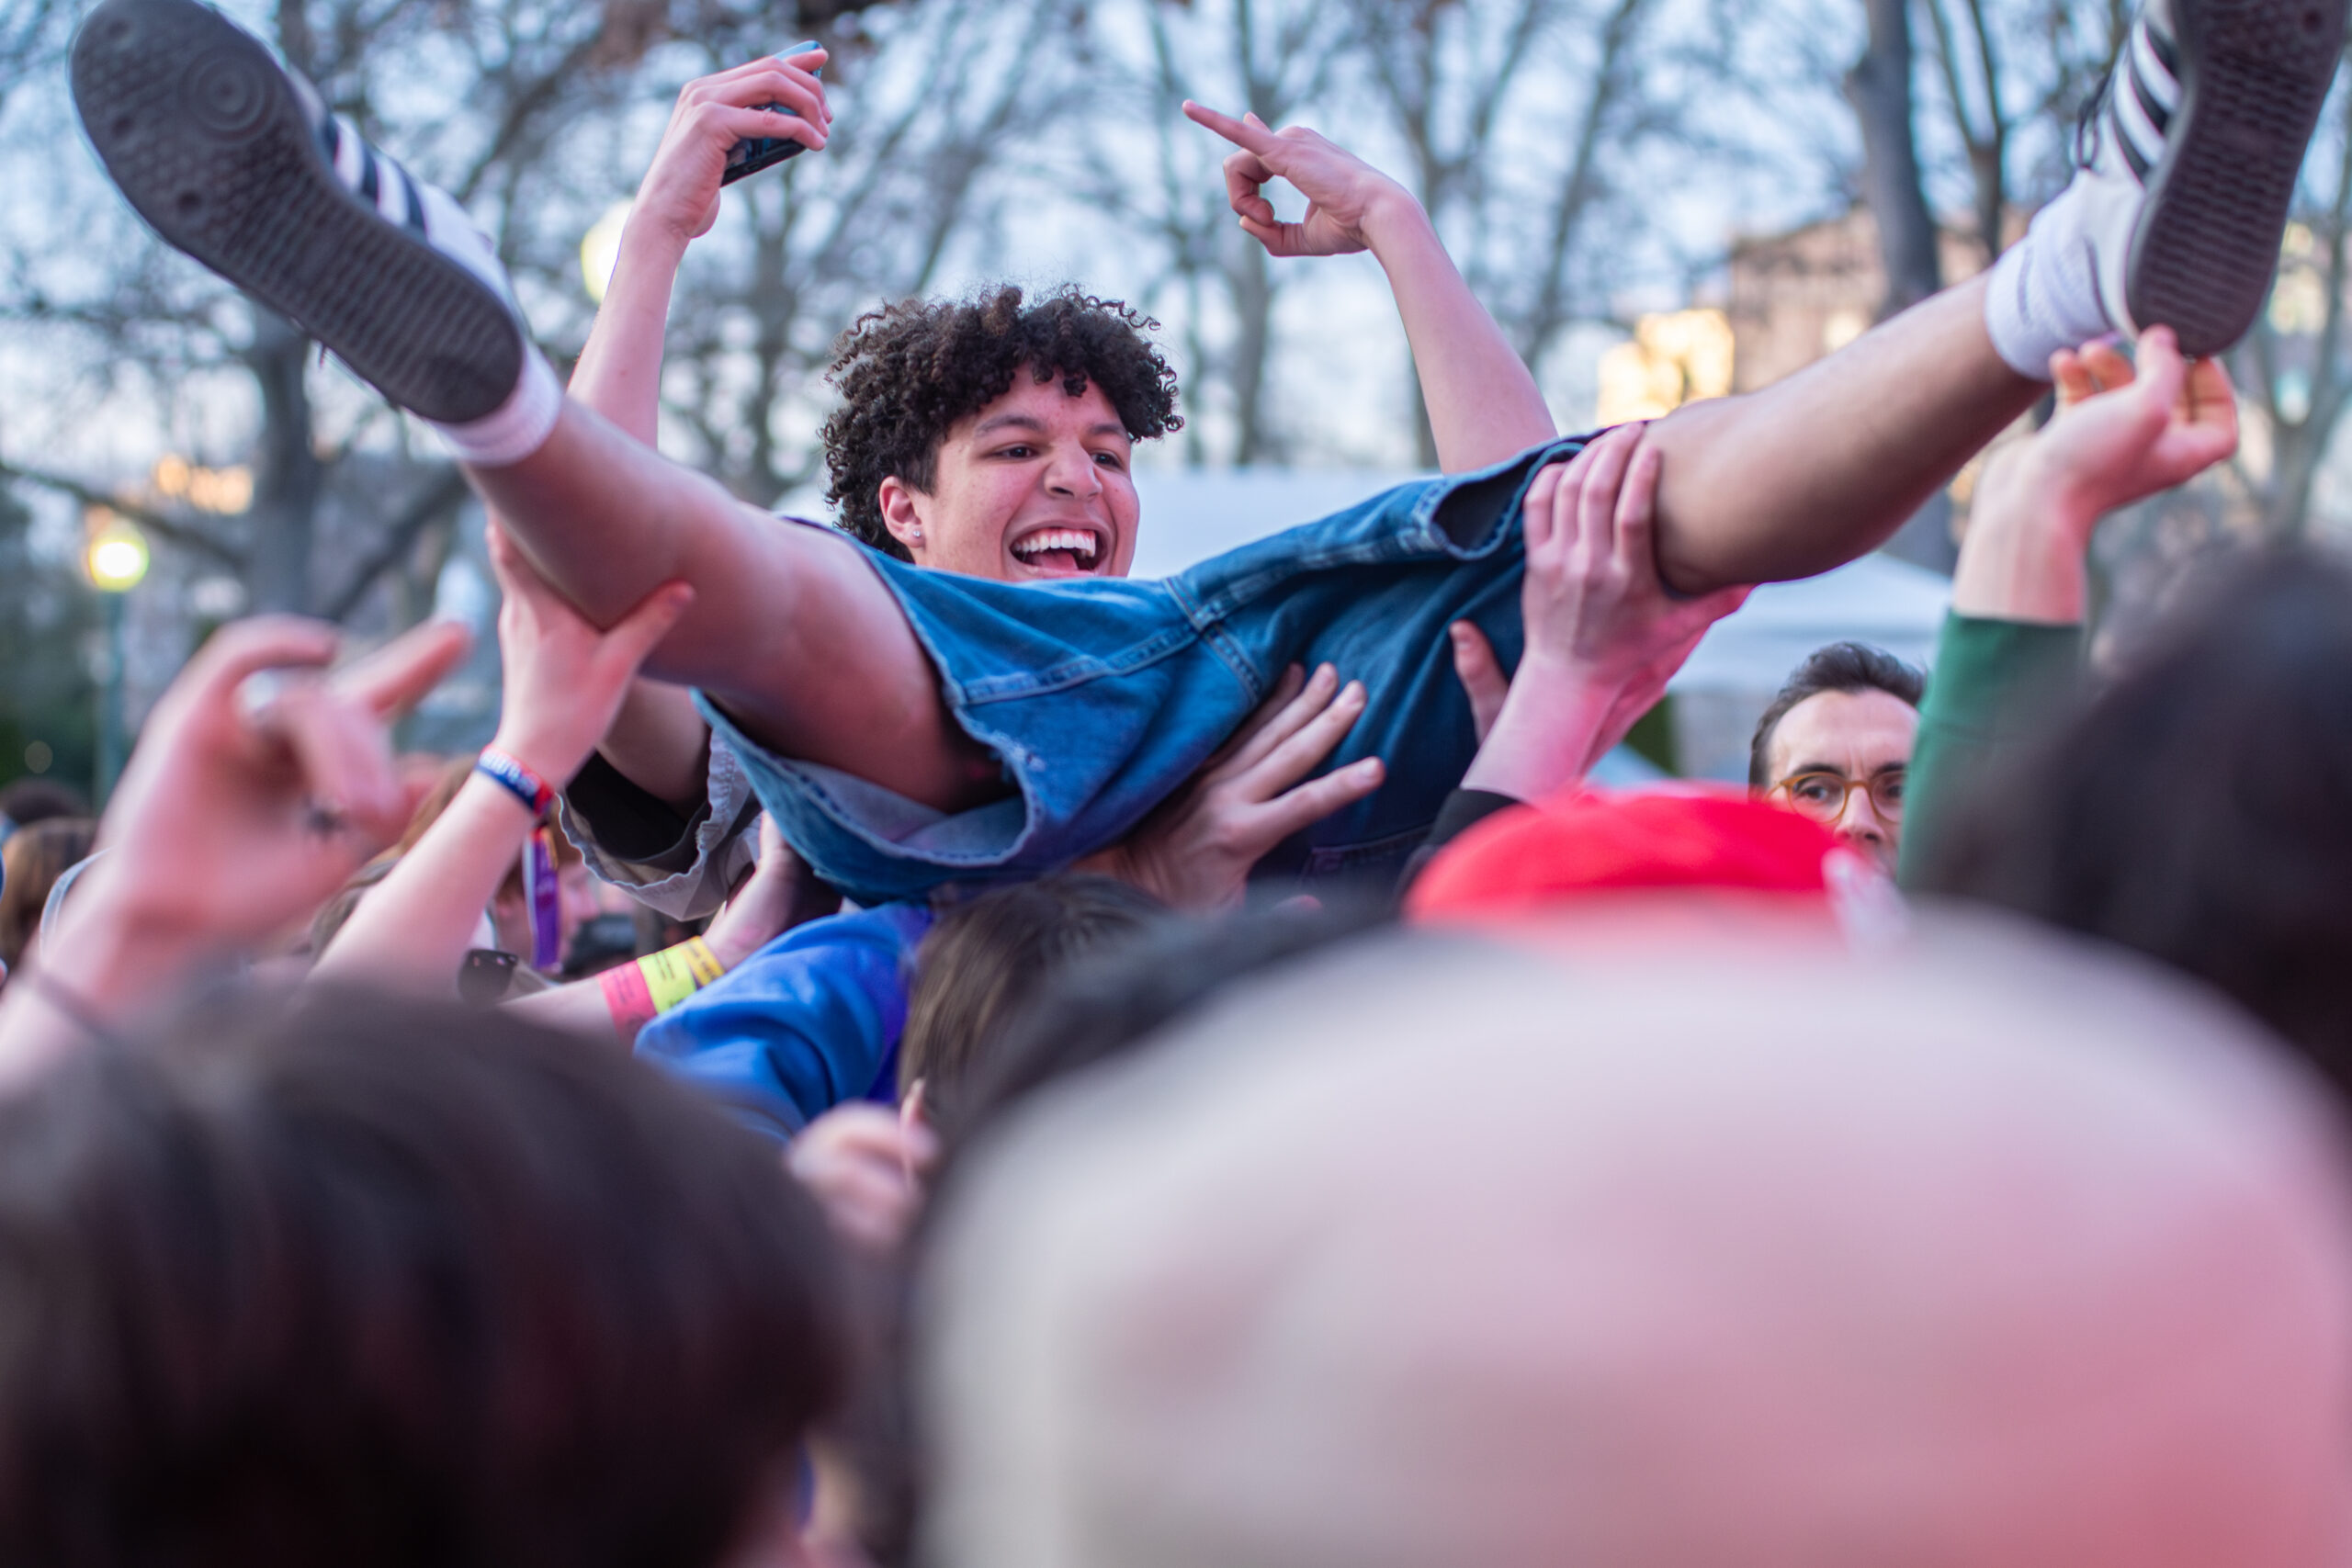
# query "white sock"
(517, 427)
(2044, 294)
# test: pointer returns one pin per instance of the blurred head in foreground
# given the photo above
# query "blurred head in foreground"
(1445, 1248)
(379, 1283)
(2199, 808)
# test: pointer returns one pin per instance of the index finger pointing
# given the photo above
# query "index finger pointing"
(1256, 138)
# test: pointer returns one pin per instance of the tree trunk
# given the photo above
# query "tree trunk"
(288, 475)
(1253, 302)
(1879, 88)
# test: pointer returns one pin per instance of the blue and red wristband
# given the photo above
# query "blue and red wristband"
(526, 787)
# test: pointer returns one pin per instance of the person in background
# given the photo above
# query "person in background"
(31, 860)
(1983, 1251)
(26, 801)
(1835, 744)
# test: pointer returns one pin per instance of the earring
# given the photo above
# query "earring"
(914, 535)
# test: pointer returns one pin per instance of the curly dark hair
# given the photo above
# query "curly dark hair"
(907, 372)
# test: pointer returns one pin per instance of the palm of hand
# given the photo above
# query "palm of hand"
(2125, 432)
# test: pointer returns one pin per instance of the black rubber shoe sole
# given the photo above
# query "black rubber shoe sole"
(2253, 75)
(207, 139)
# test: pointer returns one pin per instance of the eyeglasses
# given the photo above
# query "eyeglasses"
(1823, 795)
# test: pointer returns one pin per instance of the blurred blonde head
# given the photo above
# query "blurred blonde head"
(1510, 1251)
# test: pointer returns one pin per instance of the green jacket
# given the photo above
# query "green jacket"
(1995, 682)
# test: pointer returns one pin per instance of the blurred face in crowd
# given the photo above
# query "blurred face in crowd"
(578, 902)
(1034, 487)
(1840, 758)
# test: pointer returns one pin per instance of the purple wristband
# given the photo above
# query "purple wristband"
(526, 787)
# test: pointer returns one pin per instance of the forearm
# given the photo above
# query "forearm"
(2023, 559)
(413, 929)
(1483, 402)
(579, 1008)
(619, 373)
(1545, 738)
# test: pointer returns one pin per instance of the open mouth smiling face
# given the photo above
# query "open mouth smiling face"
(1035, 487)
(1065, 549)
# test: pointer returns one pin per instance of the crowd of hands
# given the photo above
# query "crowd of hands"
(266, 777)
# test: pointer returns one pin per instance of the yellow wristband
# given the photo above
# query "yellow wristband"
(674, 974)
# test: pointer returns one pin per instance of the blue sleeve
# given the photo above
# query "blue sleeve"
(802, 1025)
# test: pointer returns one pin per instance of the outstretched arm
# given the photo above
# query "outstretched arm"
(1482, 404)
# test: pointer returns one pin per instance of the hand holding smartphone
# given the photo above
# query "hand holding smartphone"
(751, 154)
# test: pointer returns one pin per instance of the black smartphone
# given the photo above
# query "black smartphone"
(485, 975)
(751, 154)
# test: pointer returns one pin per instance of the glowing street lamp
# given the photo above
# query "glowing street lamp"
(600, 251)
(115, 557)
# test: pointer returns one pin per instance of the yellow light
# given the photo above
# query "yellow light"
(1675, 358)
(600, 251)
(116, 555)
(224, 491)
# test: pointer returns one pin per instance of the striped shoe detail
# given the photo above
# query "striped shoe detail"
(2143, 95)
(370, 174)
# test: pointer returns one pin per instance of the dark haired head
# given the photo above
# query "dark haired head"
(907, 373)
(1102, 1009)
(27, 801)
(2200, 809)
(1839, 667)
(986, 959)
(373, 1283)
(31, 863)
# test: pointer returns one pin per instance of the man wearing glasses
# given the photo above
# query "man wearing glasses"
(1836, 744)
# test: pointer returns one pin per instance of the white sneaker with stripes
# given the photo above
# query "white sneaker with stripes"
(2188, 162)
(236, 160)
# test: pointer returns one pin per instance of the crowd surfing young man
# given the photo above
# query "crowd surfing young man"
(909, 726)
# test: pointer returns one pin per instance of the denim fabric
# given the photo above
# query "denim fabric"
(1102, 696)
(809, 1021)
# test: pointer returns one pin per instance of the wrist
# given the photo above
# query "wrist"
(1392, 218)
(653, 237)
(115, 950)
(541, 778)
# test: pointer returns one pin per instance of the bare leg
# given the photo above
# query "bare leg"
(1816, 469)
(790, 630)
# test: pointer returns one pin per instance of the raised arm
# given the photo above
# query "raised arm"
(619, 373)
(2011, 646)
(564, 678)
(657, 739)
(1482, 404)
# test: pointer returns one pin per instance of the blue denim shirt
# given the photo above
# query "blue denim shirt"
(1102, 696)
(809, 1021)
